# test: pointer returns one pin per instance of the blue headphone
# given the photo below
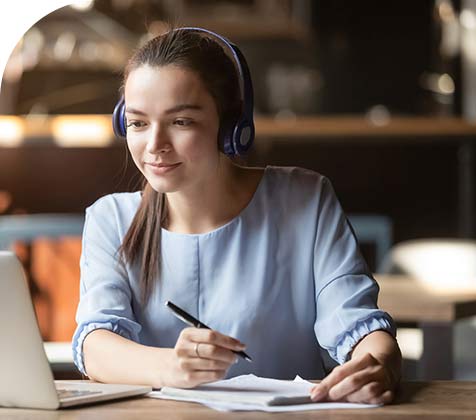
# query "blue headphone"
(237, 136)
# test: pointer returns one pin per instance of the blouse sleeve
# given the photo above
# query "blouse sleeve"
(346, 293)
(105, 293)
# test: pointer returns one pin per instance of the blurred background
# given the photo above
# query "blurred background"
(378, 96)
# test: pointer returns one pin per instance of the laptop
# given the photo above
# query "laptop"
(26, 379)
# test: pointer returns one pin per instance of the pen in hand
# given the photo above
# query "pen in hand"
(190, 320)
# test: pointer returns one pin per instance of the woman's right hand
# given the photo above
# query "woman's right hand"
(200, 356)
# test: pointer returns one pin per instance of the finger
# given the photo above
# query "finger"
(339, 373)
(369, 393)
(351, 384)
(386, 397)
(201, 335)
(355, 382)
(213, 352)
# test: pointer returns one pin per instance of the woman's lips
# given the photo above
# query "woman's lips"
(162, 168)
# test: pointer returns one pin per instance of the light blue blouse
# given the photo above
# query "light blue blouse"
(284, 276)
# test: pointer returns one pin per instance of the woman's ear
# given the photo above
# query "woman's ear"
(225, 132)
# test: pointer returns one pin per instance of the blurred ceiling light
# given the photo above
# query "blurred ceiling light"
(438, 83)
(378, 115)
(446, 85)
(89, 51)
(33, 42)
(64, 46)
(11, 131)
(14, 68)
(468, 19)
(34, 38)
(450, 28)
(446, 10)
(82, 131)
(83, 5)
(468, 38)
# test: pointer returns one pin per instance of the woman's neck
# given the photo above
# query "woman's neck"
(212, 205)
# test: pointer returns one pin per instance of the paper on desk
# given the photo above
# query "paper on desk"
(252, 393)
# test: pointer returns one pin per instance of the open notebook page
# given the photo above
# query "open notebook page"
(250, 392)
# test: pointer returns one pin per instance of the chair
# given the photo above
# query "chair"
(445, 264)
(28, 227)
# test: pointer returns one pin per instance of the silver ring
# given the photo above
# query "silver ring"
(196, 350)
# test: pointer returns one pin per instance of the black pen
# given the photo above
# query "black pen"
(190, 320)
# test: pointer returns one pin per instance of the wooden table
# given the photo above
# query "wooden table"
(440, 400)
(435, 312)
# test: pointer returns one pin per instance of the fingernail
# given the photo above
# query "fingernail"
(317, 393)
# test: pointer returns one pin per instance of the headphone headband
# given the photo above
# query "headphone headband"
(237, 136)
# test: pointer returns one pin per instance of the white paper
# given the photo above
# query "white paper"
(251, 393)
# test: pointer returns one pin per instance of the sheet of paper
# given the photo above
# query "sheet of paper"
(250, 393)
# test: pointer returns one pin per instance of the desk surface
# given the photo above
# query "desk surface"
(408, 300)
(439, 399)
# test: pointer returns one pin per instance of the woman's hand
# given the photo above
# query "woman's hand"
(371, 376)
(362, 380)
(200, 356)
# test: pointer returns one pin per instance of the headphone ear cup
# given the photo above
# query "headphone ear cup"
(119, 119)
(243, 136)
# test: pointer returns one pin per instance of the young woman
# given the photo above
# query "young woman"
(265, 257)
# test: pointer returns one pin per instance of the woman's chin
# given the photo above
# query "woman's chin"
(163, 186)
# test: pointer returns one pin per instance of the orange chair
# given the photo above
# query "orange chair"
(50, 247)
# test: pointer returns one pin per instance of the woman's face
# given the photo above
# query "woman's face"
(172, 127)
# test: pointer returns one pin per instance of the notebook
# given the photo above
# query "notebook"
(251, 392)
(26, 379)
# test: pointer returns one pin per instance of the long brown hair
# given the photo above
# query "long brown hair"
(193, 51)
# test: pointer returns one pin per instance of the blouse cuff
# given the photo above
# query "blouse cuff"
(78, 340)
(349, 339)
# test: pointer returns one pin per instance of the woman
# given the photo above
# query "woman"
(265, 257)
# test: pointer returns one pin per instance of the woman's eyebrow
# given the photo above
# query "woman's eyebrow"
(172, 110)
(134, 111)
(182, 107)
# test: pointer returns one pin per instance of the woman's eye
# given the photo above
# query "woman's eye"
(135, 124)
(183, 122)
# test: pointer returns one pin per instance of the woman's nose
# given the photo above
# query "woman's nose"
(158, 142)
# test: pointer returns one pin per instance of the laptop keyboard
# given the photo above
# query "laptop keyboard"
(72, 393)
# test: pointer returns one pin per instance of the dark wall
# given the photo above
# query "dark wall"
(374, 52)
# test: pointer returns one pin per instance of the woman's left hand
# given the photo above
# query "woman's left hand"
(362, 379)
